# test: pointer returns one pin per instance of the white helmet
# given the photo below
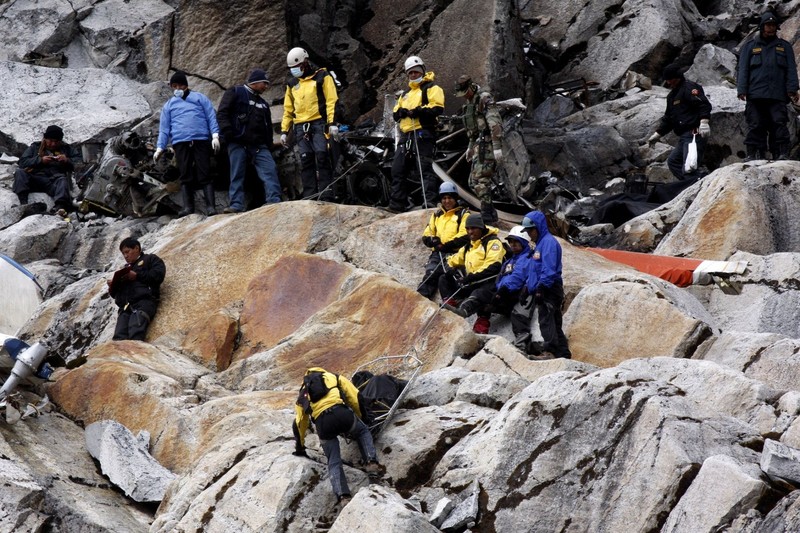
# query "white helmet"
(413, 61)
(520, 233)
(296, 56)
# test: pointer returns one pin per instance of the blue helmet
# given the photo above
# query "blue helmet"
(448, 188)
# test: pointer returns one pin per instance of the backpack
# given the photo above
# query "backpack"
(319, 78)
(315, 389)
(376, 396)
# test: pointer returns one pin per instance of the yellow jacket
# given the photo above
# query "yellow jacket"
(412, 99)
(482, 256)
(300, 103)
(344, 393)
(448, 226)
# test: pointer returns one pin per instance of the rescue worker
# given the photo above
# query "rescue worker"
(767, 81)
(445, 233)
(246, 124)
(474, 266)
(309, 104)
(416, 112)
(485, 151)
(45, 166)
(687, 114)
(544, 289)
(330, 401)
(504, 294)
(189, 121)
(136, 289)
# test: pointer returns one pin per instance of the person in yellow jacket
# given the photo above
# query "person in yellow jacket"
(331, 402)
(475, 264)
(416, 112)
(308, 106)
(445, 233)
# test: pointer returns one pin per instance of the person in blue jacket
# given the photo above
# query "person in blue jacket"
(767, 81)
(188, 119)
(504, 294)
(545, 290)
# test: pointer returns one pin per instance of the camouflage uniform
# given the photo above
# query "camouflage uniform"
(485, 131)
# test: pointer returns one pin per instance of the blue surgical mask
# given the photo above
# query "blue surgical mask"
(296, 71)
(178, 93)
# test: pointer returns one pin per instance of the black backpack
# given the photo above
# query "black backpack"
(314, 389)
(376, 396)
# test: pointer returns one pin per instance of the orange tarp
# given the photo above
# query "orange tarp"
(677, 270)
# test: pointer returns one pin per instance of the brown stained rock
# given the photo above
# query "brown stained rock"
(212, 340)
(211, 264)
(282, 298)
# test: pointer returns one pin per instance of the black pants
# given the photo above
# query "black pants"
(767, 118)
(433, 270)
(194, 162)
(132, 322)
(448, 287)
(316, 168)
(405, 161)
(550, 321)
(56, 185)
(340, 420)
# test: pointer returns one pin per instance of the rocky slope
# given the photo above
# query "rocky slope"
(679, 411)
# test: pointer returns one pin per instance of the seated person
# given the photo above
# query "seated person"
(445, 233)
(45, 167)
(136, 289)
(474, 266)
(504, 294)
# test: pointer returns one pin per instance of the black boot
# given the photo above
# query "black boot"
(753, 153)
(23, 198)
(783, 152)
(208, 192)
(488, 213)
(187, 194)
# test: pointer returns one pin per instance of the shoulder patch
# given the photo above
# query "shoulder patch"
(695, 92)
(140, 263)
(537, 255)
(495, 246)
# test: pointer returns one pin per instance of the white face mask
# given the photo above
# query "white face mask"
(178, 93)
(296, 71)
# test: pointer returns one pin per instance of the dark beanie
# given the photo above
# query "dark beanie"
(475, 221)
(671, 72)
(179, 78)
(54, 132)
(257, 75)
(769, 16)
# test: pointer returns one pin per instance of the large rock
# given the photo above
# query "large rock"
(35, 97)
(39, 29)
(379, 508)
(127, 462)
(560, 450)
(613, 321)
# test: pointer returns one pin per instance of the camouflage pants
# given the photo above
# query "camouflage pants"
(480, 179)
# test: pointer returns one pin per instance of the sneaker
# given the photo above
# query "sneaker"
(454, 309)
(545, 356)
(452, 302)
(374, 467)
(481, 325)
(229, 210)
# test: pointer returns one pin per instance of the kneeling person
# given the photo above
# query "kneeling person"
(331, 402)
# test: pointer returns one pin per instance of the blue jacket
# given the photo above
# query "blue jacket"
(545, 266)
(767, 70)
(192, 119)
(514, 271)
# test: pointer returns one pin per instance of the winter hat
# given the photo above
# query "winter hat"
(257, 75)
(179, 78)
(769, 16)
(672, 72)
(475, 221)
(54, 132)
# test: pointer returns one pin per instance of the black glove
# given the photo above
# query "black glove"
(428, 241)
(437, 242)
(401, 113)
(413, 113)
(300, 452)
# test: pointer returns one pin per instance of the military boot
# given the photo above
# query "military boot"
(753, 153)
(208, 192)
(187, 195)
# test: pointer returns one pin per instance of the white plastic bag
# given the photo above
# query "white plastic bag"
(691, 156)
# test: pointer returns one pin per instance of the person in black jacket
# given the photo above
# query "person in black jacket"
(246, 124)
(687, 114)
(136, 290)
(767, 80)
(45, 167)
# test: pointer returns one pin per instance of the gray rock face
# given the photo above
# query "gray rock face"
(376, 507)
(781, 461)
(546, 457)
(36, 97)
(126, 463)
(41, 28)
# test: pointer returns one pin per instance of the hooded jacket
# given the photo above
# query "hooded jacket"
(412, 100)
(301, 101)
(341, 391)
(687, 105)
(244, 117)
(545, 265)
(189, 119)
(514, 272)
(450, 227)
(767, 69)
(482, 258)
